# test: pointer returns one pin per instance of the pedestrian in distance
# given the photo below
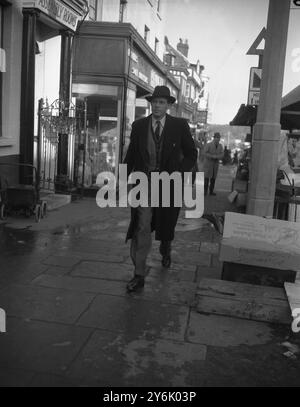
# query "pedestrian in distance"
(213, 152)
(226, 157)
(158, 142)
(235, 158)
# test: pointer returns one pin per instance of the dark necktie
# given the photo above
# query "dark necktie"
(157, 131)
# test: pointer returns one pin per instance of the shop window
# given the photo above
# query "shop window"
(146, 34)
(156, 46)
(187, 90)
(93, 10)
(102, 139)
(130, 117)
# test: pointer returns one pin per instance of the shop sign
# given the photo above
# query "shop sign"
(254, 86)
(156, 79)
(202, 116)
(142, 69)
(253, 97)
(255, 78)
(56, 10)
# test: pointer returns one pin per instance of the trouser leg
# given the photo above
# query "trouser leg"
(165, 247)
(212, 185)
(141, 241)
(206, 181)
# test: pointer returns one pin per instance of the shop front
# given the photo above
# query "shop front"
(113, 70)
(46, 135)
(10, 89)
(287, 193)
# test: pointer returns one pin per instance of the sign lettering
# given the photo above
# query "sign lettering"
(296, 321)
(2, 320)
(56, 10)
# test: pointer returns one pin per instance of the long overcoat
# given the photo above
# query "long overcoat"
(178, 153)
(211, 164)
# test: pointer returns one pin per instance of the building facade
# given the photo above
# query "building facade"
(37, 48)
(118, 60)
(74, 74)
(11, 20)
(193, 98)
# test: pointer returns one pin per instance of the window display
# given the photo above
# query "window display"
(102, 137)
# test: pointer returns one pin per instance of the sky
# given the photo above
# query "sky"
(219, 33)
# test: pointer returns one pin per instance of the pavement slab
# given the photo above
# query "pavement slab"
(94, 256)
(115, 359)
(62, 261)
(223, 331)
(208, 272)
(182, 258)
(42, 347)
(255, 366)
(81, 284)
(15, 377)
(168, 292)
(20, 272)
(51, 380)
(209, 247)
(102, 270)
(42, 303)
(136, 317)
(58, 271)
(176, 272)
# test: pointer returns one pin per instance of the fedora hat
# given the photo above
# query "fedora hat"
(161, 92)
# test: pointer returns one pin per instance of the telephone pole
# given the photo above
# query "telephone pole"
(267, 128)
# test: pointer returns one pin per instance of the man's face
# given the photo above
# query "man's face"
(217, 140)
(159, 107)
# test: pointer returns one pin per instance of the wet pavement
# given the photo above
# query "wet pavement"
(70, 321)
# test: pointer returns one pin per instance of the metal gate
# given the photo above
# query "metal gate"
(62, 123)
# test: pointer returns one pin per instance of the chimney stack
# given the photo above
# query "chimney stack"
(183, 47)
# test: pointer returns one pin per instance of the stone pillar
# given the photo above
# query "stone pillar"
(27, 88)
(65, 66)
(267, 128)
(65, 96)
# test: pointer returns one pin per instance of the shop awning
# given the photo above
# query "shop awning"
(246, 116)
(290, 112)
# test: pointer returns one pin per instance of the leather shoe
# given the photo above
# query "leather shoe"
(166, 261)
(212, 193)
(135, 284)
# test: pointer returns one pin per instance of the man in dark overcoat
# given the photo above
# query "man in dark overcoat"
(159, 142)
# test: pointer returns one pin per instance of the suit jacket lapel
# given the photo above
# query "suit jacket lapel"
(142, 140)
(167, 140)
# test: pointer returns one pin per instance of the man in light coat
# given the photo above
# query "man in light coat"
(213, 152)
